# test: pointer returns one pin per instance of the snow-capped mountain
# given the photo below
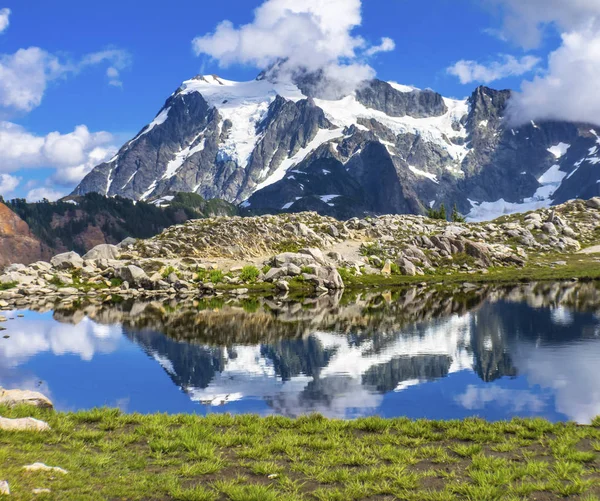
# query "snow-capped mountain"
(387, 148)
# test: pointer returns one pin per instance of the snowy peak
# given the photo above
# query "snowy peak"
(275, 145)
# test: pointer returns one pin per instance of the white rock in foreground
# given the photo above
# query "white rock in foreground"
(43, 467)
(4, 489)
(23, 424)
(17, 397)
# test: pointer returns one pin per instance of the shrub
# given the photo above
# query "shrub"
(167, 271)
(216, 276)
(249, 273)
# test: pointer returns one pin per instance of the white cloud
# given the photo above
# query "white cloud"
(4, 19)
(25, 75)
(48, 193)
(118, 60)
(568, 90)
(313, 35)
(472, 71)
(526, 20)
(8, 184)
(386, 45)
(73, 155)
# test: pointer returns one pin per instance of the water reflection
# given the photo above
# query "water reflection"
(491, 351)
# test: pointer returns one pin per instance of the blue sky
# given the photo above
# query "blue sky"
(110, 65)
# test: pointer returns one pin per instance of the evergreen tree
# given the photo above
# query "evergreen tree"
(457, 217)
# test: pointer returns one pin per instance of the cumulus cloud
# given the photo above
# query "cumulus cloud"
(526, 20)
(308, 36)
(72, 155)
(8, 184)
(51, 194)
(565, 89)
(386, 45)
(25, 75)
(4, 19)
(472, 71)
(118, 60)
(568, 90)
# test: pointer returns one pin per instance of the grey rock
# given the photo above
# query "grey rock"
(67, 261)
(407, 268)
(593, 203)
(103, 251)
(133, 275)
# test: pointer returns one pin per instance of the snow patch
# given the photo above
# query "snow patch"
(245, 104)
(149, 190)
(402, 88)
(550, 181)
(559, 150)
(328, 198)
(174, 165)
(346, 112)
(323, 136)
(160, 119)
(422, 173)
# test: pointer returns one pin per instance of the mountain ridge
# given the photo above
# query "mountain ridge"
(270, 147)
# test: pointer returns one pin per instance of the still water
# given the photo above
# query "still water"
(494, 352)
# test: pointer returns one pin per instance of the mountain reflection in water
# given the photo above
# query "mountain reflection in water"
(527, 350)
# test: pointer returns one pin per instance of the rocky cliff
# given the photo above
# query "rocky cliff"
(17, 243)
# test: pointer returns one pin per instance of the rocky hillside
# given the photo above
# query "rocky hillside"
(315, 253)
(80, 223)
(17, 243)
(274, 146)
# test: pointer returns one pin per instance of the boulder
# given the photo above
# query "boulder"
(407, 268)
(275, 274)
(316, 254)
(593, 203)
(18, 397)
(14, 277)
(329, 277)
(293, 258)
(282, 285)
(133, 275)
(4, 488)
(478, 251)
(103, 251)
(23, 424)
(387, 268)
(15, 268)
(126, 243)
(549, 229)
(67, 261)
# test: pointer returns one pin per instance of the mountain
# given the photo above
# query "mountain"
(81, 222)
(17, 243)
(271, 146)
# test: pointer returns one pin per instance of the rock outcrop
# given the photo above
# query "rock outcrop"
(304, 250)
(17, 242)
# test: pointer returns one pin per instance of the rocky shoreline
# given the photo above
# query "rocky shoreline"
(304, 251)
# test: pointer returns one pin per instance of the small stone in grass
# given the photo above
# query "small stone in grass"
(43, 467)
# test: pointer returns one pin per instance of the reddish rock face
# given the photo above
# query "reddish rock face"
(17, 243)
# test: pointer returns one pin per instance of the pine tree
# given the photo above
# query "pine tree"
(457, 217)
(443, 212)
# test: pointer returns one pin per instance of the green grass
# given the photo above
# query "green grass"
(578, 266)
(249, 274)
(8, 286)
(110, 455)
